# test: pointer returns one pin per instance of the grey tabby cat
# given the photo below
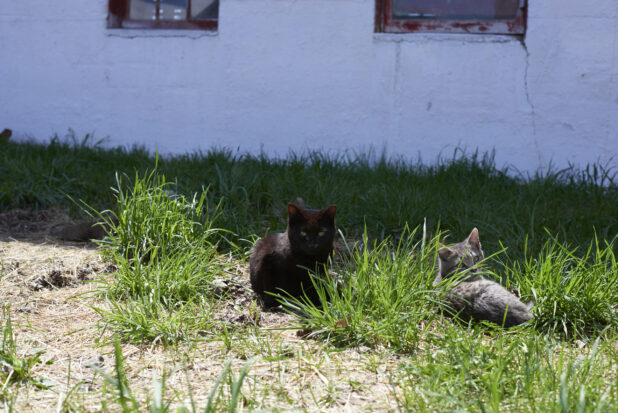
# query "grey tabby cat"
(474, 296)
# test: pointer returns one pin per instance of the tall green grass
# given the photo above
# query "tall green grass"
(469, 370)
(42, 175)
(459, 192)
(384, 295)
(152, 221)
(575, 292)
(381, 295)
(166, 252)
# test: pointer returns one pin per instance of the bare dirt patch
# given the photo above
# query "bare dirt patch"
(50, 287)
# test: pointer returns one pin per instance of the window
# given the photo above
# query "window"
(163, 14)
(451, 16)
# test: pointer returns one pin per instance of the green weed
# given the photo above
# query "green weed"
(15, 368)
(225, 394)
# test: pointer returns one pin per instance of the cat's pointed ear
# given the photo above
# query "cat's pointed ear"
(331, 211)
(446, 254)
(293, 210)
(473, 239)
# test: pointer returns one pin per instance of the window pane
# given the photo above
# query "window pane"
(204, 9)
(455, 9)
(143, 10)
(173, 10)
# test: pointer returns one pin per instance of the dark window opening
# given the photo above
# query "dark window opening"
(163, 14)
(451, 16)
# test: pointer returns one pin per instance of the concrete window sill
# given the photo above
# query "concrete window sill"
(445, 37)
(133, 33)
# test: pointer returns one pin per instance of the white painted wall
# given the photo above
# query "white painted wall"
(286, 75)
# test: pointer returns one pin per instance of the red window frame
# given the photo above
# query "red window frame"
(384, 23)
(118, 18)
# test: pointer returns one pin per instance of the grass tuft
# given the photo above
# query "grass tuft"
(165, 250)
(154, 222)
(574, 293)
(15, 368)
(381, 296)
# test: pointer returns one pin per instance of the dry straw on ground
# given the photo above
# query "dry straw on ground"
(48, 284)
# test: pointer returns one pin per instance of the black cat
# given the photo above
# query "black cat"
(277, 260)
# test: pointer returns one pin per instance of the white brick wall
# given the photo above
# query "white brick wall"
(283, 75)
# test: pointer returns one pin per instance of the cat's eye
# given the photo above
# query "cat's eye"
(303, 233)
(321, 233)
